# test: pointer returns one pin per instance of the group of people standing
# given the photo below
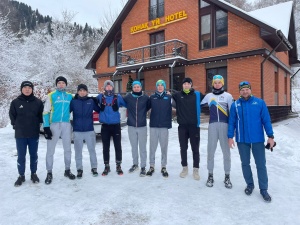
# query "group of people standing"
(245, 118)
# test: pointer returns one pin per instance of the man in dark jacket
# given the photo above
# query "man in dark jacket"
(187, 104)
(160, 123)
(82, 107)
(137, 106)
(26, 115)
(248, 118)
(110, 118)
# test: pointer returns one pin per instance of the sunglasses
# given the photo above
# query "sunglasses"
(217, 77)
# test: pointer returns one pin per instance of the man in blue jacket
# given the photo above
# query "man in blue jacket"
(82, 107)
(110, 118)
(248, 118)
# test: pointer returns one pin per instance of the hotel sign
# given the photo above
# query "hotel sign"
(157, 23)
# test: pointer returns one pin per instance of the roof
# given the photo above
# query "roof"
(274, 28)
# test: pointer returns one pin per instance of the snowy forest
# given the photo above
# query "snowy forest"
(38, 48)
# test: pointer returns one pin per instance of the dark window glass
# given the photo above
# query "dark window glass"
(111, 55)
(205, 32)
(156, 9)
(212, 72)
(203, 4)
(221, 28)
(157, 51)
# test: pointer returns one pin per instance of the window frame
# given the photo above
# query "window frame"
(159, 8)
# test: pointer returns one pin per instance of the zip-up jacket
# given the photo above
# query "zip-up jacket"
(108, 115)
(187, 107)
(26, 116)
(161, 110)
(82, 109)
(57, 108)
(219, 106)
(249, 118)
(137, 107)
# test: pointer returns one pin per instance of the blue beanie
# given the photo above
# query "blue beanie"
(162, 82)
(136, 82)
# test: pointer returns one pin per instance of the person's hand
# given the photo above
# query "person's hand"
(231, 143)
(47, 133)
(271, 142)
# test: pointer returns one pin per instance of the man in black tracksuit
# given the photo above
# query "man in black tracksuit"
(187, 104)
(26, 114)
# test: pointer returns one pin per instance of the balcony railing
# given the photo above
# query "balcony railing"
(151, 53)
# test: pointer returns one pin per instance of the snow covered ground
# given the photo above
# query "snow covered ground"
(134, 200)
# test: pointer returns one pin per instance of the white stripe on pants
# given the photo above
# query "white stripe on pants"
(138, 140)
(160, 135)
(62, 130)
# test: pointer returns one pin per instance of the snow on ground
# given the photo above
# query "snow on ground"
(134, 200)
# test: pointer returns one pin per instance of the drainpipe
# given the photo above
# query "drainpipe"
(172, 70)
(139, 72)
(291, 97)
(114, 76)
(262, 67)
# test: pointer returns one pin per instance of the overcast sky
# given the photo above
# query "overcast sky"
(88, 11)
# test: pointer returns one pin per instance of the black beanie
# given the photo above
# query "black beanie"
(187, 79)
(82, 86)
(26, 83)
(60, 78)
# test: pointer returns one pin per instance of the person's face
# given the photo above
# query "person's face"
(108, 88)
(82, 92)
(160, 88)
(217, 84)
(186, 86)
(27, 90)
(136, 88)
(61, 84)
(245, 93)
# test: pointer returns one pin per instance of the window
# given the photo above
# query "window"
(157, 51)
(113, 48)
(214, 71)
(118, 86)
(156, 9)
(213, 26)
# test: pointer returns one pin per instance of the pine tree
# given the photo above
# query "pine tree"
(129, 84)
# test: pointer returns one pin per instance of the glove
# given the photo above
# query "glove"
(47, 133)
(268, 146)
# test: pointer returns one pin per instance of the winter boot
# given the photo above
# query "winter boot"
(49, 178)
(19, 181)
(143, 172)
(79, 174)
(210, 180)
(249, 189)
(150, 171)
(119, 169)
(184, 172)
(227, 181)
(196, 173)
(266, 196)
(106, 170)
(70, 175)
(133, 168)
(164, 172)
(34, 178)
(94, 172)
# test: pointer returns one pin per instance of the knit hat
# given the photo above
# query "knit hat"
(26, 83)
(244, 84)
(136, 82)
(82, 86)
(60, 78)
(218, 77)
(187, 79)
(108, 82)
(162, 82)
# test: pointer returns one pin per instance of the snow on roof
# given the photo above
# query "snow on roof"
(278, 16)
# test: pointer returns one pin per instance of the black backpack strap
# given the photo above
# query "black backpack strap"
(115, 105)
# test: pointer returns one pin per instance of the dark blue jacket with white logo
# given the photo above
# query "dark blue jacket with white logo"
(249, 118)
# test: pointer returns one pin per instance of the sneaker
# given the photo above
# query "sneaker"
(94, 172)
(210, 180)
(34, 178)
(150, 171)
(266, 196)
(249, 189)
(164, 172)
(106, 170)
(19, 181)
(69, 174)
(119, 169)
(227, 181)
(196, 174)
(79, 174)
(133, 168)
(49, 178)
(143, 172)
(184, 172)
